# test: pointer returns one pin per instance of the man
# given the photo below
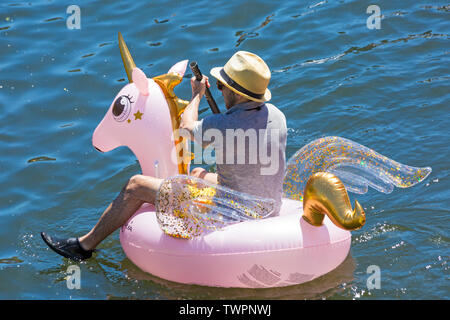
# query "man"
(243, 82)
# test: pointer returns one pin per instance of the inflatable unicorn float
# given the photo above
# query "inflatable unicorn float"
(222, 237)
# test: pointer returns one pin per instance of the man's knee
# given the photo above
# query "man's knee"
(203, 174)
(142, 187)
(198, 172)
(134, 184)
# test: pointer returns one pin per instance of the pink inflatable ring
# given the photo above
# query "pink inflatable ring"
(273, 252)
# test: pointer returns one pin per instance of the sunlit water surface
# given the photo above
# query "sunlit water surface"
(387, 89)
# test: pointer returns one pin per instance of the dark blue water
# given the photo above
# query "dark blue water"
(386, 88)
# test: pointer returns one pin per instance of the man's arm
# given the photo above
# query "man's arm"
(190, 114)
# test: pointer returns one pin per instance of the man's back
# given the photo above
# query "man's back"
(250, 149)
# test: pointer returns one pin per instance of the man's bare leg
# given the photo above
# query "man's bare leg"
(138, 190)
(203, 174)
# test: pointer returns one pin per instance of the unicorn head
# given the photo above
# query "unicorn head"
(144, 116)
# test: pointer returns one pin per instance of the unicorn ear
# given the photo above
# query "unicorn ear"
(179, 68)
(140, 80)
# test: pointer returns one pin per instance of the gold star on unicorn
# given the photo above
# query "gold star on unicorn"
(138, 115)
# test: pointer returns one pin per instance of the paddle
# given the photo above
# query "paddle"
(198, 76)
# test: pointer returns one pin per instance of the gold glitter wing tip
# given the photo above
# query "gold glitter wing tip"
(357, 166)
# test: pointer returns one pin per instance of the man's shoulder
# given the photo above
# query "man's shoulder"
(275, 112)
(273, 107)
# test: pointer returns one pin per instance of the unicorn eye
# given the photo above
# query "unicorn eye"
(122, 108)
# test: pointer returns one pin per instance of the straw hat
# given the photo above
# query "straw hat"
(247, 75)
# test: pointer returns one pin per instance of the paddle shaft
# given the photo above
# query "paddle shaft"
(198, 76)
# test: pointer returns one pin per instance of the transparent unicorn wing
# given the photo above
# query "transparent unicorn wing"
(357, 166)
(187, 207)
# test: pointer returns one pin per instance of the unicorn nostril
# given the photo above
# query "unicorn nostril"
(98, 149)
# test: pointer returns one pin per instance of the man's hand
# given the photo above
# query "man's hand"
(190, 114)
(199, 87)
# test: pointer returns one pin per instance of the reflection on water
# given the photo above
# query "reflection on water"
(42, 158)
(252, 34)
(356, 50)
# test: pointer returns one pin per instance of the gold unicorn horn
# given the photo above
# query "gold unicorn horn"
(127, 59)
(326, 194)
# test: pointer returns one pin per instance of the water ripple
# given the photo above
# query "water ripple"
(387, 89)
(252, 34)
(41, 158)
(362, 49)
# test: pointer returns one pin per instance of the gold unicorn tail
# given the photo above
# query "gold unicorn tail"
(325, 194)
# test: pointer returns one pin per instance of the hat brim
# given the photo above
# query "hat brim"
(215, 72)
